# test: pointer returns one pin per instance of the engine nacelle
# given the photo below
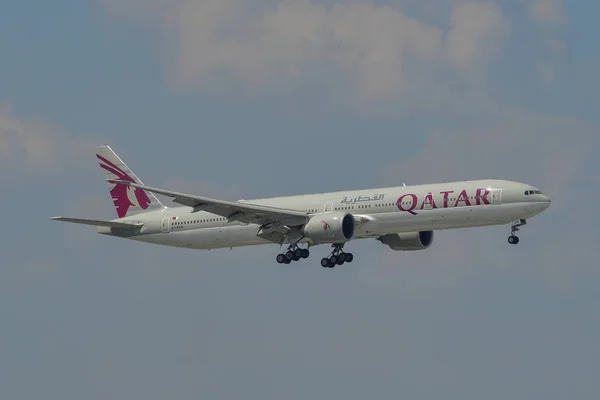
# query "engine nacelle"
(330, 228)
(408, 241)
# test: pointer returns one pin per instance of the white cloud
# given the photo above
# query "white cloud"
(476, 33)
(358, 49)
(35, 144)
(548, 11)
(366, 44)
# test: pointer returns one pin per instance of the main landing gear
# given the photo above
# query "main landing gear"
(513, 239)
(337, 257)
(294, 253)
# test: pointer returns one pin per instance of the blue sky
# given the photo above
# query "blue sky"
(227, 99)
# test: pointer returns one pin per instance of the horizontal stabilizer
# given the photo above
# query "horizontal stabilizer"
(93, 222)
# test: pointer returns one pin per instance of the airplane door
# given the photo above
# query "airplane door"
(496, 196)
(328, 207)
(165, 225)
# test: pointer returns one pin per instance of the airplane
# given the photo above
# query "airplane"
(404, 218)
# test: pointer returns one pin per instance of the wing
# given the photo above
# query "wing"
(233, 210)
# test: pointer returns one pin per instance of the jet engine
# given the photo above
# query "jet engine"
(408, 241)
(330, 228)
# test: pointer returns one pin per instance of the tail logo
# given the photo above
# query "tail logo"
(121, 193)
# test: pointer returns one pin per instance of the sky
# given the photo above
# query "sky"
(235, 99)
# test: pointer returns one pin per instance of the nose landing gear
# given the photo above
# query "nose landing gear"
(513, 239)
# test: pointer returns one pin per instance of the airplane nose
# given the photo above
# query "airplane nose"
(547, 202)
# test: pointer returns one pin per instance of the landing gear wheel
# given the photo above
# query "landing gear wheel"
(333, 260)
(349, 257)
(289, 255)
(297, 254)
(513, 239)
(342, 258)
(325, 263)
(305, 253)
(286, 260)
(280, 259)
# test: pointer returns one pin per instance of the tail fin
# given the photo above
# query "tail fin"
(128, 201)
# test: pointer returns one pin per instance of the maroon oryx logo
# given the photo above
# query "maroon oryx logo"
(325, 225)
(120, 192)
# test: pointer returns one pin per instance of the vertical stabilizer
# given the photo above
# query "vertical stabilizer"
(128, 200)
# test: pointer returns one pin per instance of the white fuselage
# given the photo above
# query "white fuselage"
(383, 211)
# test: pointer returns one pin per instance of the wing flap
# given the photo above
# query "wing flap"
(94, 222)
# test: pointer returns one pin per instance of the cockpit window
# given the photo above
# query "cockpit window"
(527, 193)
(538, 192)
